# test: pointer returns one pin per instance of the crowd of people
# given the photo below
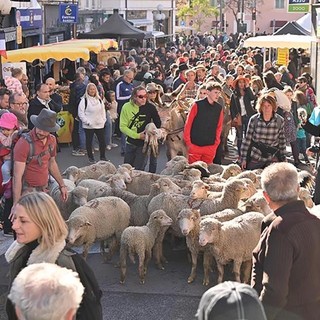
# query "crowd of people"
(269, 106)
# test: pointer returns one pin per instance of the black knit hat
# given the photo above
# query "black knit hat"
(230, 300)
(182, 67)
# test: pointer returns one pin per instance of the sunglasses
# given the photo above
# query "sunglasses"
(152, 91)
(142, 97)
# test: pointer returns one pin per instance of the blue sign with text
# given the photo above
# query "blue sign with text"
(68, 13)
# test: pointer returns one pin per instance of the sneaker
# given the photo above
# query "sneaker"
(92, 161)
(8, 234)
(108, 147)
(113, 145)
(96, 149)
(77, 153)
(83, 151)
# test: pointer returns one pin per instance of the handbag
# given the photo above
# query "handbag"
(237, 121)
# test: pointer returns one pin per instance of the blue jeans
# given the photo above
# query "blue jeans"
(302, 147)
(82, 136)
(135, 157)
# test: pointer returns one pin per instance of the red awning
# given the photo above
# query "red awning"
(277, 23)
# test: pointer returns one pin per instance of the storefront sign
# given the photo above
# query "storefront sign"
(29, 18)
(68, 13)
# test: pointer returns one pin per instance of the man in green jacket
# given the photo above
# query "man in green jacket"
(134, 117)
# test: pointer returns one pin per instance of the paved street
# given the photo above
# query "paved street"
(165, 295)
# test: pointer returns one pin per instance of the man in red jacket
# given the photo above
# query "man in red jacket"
(204, 125)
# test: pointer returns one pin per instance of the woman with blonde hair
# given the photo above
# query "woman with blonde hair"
(41, 233)
(92, 113)
(265, 140)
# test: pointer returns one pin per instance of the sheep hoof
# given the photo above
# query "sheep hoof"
(142, 281)
(205, 282)
(117, 265)
(160, 266)
(121, 281)
(190, 280)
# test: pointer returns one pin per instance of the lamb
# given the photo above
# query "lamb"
(99, 219)
(93, 171)
(140, 241)
(125, 172)
(77, 197)
(152, 134)
(232, 240)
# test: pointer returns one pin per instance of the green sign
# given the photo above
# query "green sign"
(299, 8)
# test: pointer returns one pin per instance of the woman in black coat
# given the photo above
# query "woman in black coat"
(242, 104)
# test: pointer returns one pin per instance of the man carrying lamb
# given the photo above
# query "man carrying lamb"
(286, 261)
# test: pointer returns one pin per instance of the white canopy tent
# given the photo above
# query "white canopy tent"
(305, 22)
(280, 41)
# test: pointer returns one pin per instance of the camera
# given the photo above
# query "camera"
(315, 148)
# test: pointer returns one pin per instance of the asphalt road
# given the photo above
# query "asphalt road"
(166, 295)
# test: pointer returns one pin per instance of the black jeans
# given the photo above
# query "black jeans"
(316, 197)
(7, 225)
(100, 133)
(75, 135)
(135, 156)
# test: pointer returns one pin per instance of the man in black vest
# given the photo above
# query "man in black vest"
(204, 125)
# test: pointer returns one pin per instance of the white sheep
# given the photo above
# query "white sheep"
(93, 171)
(232, 240)
(140, 241)
(172, 204)
(258, 203)
(305, 196)
(139, 204)
(99, 219)
(77, 197)
(99, 188)
(141, 182)
(175, 166)
(189, 223)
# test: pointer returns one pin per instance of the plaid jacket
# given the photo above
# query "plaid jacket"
(269, 133)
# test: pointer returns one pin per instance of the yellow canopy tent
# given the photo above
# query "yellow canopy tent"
(94, 45)
(70, 49)
(45, 53)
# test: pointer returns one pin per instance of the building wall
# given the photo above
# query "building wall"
(266, 12)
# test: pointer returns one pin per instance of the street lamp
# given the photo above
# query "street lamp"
(159, 16)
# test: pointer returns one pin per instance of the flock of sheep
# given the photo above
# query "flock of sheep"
(218, 209)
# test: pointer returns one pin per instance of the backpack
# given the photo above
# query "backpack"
(90, 307)
(25, 134)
